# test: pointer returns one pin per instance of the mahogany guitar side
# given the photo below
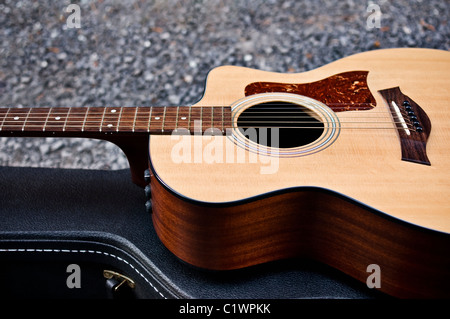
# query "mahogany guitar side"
(307, 223)
(352, 204)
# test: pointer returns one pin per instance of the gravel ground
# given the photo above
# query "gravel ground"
(131, 53)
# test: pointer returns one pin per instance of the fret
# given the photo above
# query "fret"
(46, 119)
(176, 121)
(103, 118)
(26, 118)
(149, 119)
(212, 117)
(4, 116)
(201, 119)
(134, 120)
(85, 119)
(164, 119)
(189, 120)
(67, 117)
(118, 121)
(222, 121)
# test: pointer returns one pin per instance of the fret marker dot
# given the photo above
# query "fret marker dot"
(57, 118)
(157, 118)
(109, 125)
(16, 118)
(113, 111)
(183, 118)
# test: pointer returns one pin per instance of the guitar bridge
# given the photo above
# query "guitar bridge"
(413, 125)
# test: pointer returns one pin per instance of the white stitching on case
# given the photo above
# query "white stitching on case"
(84, 251)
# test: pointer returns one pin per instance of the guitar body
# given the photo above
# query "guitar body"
(347, 164)
(349, 198)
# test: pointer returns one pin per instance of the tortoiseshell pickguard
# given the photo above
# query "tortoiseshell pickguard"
(347, 91)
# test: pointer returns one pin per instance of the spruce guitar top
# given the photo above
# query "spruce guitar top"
(347, 164)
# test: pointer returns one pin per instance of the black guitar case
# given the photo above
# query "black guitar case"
(67, 233)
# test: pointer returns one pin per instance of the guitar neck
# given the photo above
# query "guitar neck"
(93, 121)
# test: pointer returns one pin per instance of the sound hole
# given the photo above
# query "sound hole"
(280, 124)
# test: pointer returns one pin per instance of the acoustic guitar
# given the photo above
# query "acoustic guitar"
(347, 164)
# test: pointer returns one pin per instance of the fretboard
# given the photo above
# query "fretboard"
(74, 121)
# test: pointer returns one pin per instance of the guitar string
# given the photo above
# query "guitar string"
(272, 119)
(59, 119)
(278, 111)
(169, 123)
(170, 126)
(124, 127)
(94, 118)
(98, 117)
(152, 130)
(169, 108)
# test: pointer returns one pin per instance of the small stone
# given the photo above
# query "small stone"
(62, 56)
(128, 59)
(193, 64)
(248, 57)
(148, 76)
(54, 34)
(93, 57)
(25, 79)
(137, 72)
(165, 35)
(57, 145)
(174, 99)
(44, 148)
